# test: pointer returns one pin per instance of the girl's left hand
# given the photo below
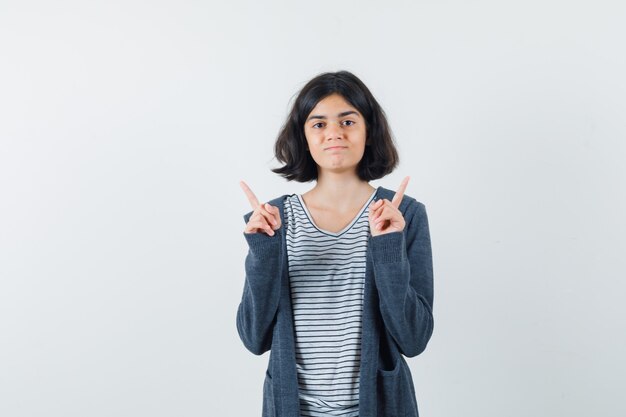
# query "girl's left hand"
(384, 216)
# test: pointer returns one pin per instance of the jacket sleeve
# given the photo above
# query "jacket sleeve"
(403, 272)
(256, 313)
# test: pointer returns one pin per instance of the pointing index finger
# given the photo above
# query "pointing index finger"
(254, 202)
(397, 198)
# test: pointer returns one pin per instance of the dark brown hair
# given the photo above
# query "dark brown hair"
(380, 157)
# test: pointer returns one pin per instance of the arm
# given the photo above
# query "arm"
(403, 272)
(261, 292)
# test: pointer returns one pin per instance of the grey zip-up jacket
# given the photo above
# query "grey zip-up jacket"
(397, 316)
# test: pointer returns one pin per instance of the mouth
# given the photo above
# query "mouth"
(335, 147)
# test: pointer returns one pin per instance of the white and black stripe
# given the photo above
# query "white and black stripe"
(327, 274)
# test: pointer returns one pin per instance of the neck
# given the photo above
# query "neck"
(340, 192)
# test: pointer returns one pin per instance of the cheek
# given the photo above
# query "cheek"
(311, 136)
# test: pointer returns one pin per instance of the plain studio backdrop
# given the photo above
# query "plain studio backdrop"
(126, 127)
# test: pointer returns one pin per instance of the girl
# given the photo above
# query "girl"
(339, 280)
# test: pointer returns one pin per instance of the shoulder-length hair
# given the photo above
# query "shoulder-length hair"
(380, 157)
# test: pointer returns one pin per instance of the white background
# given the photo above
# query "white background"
(125, 127)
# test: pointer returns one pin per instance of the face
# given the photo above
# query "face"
(335, 133)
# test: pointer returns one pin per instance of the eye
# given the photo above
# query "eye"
(350, 121)
(318, 123)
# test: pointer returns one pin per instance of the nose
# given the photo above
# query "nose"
(333, 131)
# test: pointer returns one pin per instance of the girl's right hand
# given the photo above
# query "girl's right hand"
(265, 218)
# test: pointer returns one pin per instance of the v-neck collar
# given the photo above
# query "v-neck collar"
(345, 229)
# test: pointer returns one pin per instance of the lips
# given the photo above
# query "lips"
(335, 147)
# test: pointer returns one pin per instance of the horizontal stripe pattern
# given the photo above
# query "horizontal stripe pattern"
(326, 275)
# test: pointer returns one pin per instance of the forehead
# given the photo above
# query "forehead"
(332, 105)
(332, 101)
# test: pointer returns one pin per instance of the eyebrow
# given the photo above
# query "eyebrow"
(343, 113)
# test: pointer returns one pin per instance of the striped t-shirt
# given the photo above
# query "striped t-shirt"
(327, 275)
